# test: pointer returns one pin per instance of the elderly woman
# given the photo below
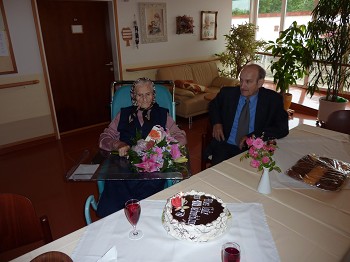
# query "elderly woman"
(142, 116)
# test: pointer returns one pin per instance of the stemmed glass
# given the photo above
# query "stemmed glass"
(132, 212)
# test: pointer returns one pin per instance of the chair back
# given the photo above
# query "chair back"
(120, 96)
(19, 224)
(339, 121)
(52, 256)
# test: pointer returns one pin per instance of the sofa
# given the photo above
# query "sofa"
(192, 83)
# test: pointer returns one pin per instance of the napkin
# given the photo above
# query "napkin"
(110, 256)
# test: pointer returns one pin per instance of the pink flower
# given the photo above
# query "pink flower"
(175, 151)
(148, 165)
(158, 151)
(253, 152)
(249, 141)
(265, 159)
(260, 153)
(254, 163)
(258, 143)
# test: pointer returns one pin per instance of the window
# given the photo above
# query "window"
(240, 12)
(272, 16)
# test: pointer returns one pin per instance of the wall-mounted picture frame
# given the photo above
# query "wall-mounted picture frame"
(184, 24)
(153, 22)
(7, 58)
(209, 25)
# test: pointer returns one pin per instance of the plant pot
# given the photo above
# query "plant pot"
(327, 107)
(287, 100)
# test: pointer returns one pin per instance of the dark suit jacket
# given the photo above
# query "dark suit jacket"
(270, 117)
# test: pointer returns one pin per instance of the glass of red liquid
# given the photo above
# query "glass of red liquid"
(230, 252)
(132, 211)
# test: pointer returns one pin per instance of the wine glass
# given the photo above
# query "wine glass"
(230, 252)
(132, 212)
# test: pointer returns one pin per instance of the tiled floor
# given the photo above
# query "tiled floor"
(39, 172)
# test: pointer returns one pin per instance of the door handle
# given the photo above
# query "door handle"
(109, 64)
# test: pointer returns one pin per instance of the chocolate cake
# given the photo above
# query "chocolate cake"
(195, 216)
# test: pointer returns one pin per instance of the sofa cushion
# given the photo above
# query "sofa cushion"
(175, 72)
(195, 88)
(190, 86)
(221, 81)
(184, 92)
(213, 89)
(204, 73)
(180, 83)
(191, 106)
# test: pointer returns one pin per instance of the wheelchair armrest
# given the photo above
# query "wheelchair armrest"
(89, 201)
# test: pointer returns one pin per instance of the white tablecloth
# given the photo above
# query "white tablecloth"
(249, 228)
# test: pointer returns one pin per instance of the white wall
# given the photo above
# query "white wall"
(22, 108)
(179, 47)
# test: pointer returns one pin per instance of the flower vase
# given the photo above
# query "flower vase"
(264, 186)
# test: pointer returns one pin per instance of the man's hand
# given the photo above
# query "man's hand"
(218, 132)
(242, 142)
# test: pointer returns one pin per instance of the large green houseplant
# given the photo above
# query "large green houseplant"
(320, 49)
(329, 34)
(292, 58)
(241, 48)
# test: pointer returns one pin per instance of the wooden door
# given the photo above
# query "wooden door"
(77, 44)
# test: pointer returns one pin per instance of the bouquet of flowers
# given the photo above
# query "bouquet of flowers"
(261, 153)
(158, 152)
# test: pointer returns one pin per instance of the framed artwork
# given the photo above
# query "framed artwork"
(184, 25)
(209, 25)
(153, 22)
(7, 58)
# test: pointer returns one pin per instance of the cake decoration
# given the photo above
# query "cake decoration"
(179, 202)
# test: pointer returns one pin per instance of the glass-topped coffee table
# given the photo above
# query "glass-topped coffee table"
(109, 166)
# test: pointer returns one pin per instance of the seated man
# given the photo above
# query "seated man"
(142, 116)
(239, 112)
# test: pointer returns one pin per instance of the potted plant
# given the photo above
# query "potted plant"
(241, 48)
(329, 33)
(291, 59)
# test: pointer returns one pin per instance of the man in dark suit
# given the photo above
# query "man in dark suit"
(266, 114)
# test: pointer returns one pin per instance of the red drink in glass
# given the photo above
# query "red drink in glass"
(132, 212)
(230, 252)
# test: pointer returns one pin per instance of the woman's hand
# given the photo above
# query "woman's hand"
(121, 147)
(123, 151)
